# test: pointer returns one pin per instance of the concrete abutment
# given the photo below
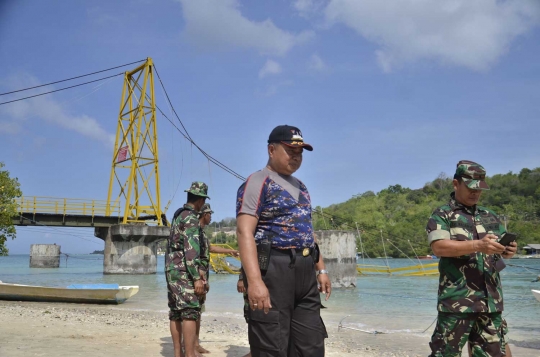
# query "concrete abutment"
(131, 249)
(338, 249)
(44, 256)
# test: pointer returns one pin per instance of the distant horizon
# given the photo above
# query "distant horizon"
(52, 240)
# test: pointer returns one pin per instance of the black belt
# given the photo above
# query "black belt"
(305, 252)
(301, 251)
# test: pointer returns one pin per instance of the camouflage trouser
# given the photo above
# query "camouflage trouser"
(484, 331)
(183, 303)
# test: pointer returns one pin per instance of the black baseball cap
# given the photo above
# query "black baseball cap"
(288, 135)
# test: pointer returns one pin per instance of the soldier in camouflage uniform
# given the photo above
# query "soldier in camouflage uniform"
(184, 270)
(470, 299)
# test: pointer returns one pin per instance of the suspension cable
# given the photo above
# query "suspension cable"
(72, 78)
(61, 89)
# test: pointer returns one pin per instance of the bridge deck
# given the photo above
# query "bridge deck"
(68, 220)
(64, 212)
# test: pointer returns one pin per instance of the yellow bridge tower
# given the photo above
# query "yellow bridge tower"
(135, 164)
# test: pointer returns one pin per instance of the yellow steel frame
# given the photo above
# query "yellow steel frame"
(65, 206)
(137, 134)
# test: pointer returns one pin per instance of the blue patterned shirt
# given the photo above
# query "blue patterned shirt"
(283, 208)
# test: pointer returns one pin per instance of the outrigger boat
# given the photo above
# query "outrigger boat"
(220, 265)
(78, 293)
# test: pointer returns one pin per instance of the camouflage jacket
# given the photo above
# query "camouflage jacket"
(183, 245)
(468, 283)
(205, 249)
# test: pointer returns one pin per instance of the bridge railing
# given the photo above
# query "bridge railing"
(65, 206)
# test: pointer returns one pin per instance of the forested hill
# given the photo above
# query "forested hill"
(401, 213)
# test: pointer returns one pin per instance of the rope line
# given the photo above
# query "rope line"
(522, 266)
(61, 89)
(75, 257)
(69, 79)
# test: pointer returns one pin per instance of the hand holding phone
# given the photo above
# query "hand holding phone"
(507, 238)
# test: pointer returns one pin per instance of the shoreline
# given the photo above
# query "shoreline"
(62, 330)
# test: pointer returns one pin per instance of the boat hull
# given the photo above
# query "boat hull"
(16, 292)
(536, 294)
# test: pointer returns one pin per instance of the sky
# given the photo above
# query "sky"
(386, 92)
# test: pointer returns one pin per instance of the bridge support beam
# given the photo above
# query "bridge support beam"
(131, 249)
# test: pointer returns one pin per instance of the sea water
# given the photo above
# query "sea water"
(384, 303)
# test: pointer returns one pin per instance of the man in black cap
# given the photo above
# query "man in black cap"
(279, 255)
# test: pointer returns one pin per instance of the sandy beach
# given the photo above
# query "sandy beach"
(62, 330)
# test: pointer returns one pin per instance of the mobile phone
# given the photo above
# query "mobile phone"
(507, 238)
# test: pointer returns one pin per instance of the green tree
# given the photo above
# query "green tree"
(9, 190)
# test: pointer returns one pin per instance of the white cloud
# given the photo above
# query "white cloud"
(307, 7)
(17, 115)
(303, 5)
(472, 34)
(316, 63)
(270, 67)
(219, 23)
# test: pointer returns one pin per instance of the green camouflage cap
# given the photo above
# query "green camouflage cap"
(473, 174)
(206, 208)
(198, 188)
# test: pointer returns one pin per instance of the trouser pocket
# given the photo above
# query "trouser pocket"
(264, 331)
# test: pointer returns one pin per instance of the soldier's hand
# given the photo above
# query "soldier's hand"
(199, 287)
(510, 250)
(324, 285)
(240, 286)
(259, 297)
(207, 287)
(489, 245)
(202, 274)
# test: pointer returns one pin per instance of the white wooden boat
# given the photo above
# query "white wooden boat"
(83, 293)
(536, 294)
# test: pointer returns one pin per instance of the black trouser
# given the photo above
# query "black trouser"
(293, 327)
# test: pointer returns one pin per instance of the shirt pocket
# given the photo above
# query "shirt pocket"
(461, 229)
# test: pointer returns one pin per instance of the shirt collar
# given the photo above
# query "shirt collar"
(455, 205)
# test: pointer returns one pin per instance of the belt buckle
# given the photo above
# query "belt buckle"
(305, 252)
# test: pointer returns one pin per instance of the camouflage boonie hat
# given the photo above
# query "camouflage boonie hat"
(473, 174)
(198, 188)
(206, 208)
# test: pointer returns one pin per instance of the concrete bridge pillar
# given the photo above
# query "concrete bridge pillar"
(338, 249)
(130, 249)
(44, 256)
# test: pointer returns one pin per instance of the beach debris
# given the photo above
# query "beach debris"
(340, 326)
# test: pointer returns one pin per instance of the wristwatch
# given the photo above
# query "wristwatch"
(322, 271)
